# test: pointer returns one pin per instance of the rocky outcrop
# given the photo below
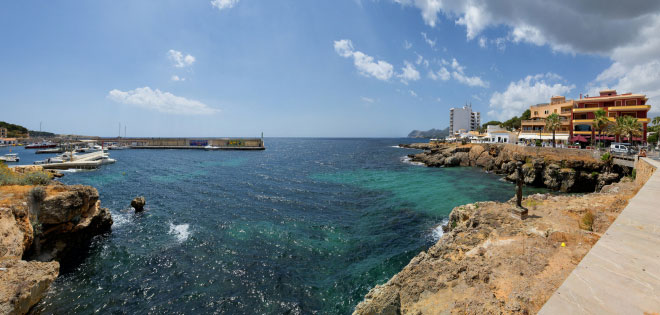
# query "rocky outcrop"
(489, 262)
(557, 169)
(41, 228)
(138, 203)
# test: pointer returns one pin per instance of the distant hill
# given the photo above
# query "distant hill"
(433, 133)
(14, 131)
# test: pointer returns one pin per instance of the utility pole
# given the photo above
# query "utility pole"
(119, 131)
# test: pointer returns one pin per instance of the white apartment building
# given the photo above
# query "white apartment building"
(463, 118)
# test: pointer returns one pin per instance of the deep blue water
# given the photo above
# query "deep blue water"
(307, 226)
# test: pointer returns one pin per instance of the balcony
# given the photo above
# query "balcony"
(632, 108)
(536, 132)
(587, 110)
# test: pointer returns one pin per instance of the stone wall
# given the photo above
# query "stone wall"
(643, 171)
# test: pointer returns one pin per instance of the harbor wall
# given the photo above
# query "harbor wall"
(237, 143)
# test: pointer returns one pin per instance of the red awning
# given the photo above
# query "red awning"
(578, 139)
(605, 138)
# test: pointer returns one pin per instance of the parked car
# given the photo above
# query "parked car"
(621, 148)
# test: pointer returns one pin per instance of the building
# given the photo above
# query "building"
(3, 132)
(8, 141)
(497, 134)
(534, 128)
(463, 118)
(615, 105)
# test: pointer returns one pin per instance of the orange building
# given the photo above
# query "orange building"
(615, 105)
(534, 128)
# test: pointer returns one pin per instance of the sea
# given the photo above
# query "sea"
(306, 226)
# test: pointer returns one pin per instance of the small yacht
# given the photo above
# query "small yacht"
(210, 147)
(10, 157)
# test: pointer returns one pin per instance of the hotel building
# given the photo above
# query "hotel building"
(463, 119)
(534, 128)
(615, 105)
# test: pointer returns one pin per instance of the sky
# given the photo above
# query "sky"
(342, 68)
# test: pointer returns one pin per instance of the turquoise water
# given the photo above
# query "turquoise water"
(307, 226)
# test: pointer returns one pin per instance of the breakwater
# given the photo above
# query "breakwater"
(188, 143)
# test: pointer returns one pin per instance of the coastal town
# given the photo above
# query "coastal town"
(619, 121)
(422, 157)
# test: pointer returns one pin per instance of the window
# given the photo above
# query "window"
(617, 103)
(536, 113)
(631, 102)
(555, 110)
(582, 128)
(546, 112)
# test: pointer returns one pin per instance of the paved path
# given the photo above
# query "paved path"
(621, 273)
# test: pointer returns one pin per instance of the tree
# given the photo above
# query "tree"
(628, 125)
(512, 124)
(552, 123)
(656, 124)
(526, 115)
(601, 122)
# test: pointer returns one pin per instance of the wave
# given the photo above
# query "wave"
(437, 231)
(180, 231)
(408, 160)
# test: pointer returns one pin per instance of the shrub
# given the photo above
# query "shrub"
(634, 173)
(538, 143)
(606, 157)
(587, 221)
(9, 177)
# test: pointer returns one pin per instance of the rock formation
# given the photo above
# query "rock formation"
(556, 169)
(487, 262)
(138, 203)
(42, 227)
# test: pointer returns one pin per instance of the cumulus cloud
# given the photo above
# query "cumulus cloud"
(482, 42)
(177, 78)
(224, 4)
(459, 75)
(521, 94)
(163, 102)
(408, 73)
(625, 31)
(179, 59)
(407, 45)
(364, 63)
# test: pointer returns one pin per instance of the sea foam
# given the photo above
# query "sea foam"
(180, 231)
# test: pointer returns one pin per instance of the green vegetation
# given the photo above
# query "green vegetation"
(606, 157)
(9, 177)
(14, 131)
(587, 221)
(552, 123)
(655, 130)
(41, 134)
(515, 122)
(628, 126)
(601, 122)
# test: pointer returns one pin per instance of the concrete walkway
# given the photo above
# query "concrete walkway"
(621, 273)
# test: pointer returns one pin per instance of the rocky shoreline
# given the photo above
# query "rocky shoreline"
(489, 262)
(556, 169)
(44, 228)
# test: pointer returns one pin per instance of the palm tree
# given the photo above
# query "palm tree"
(552, 123)
(601, 122)
(629, 126)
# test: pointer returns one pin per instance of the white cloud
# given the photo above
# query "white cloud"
(482, 42)
(408, 73)
(368, 100)
(224, 4)
(625, 31)
(413, 93)
(442, 74)
(407, 45)
(523, 93)
(164, 102)
(365, 64)
(177, 78)
(179, 59)
(459, 75)
(428, 40)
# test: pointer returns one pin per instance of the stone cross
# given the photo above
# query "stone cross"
(519, 183)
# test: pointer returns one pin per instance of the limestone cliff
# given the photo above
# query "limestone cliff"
(488, 262)
(42, 227)
(556, 169)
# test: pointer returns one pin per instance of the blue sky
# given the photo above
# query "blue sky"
(308, 68)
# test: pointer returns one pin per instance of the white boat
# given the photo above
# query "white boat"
(10, 157)
(210, 147)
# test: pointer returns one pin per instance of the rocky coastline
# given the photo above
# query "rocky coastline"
(490, 262)
(44, 229)
(556, 169)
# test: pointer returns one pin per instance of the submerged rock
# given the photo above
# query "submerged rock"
(138, 203)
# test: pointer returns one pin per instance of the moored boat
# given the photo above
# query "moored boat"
(43, 145)
(10, 157)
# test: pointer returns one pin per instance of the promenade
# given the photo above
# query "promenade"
(621, 273)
